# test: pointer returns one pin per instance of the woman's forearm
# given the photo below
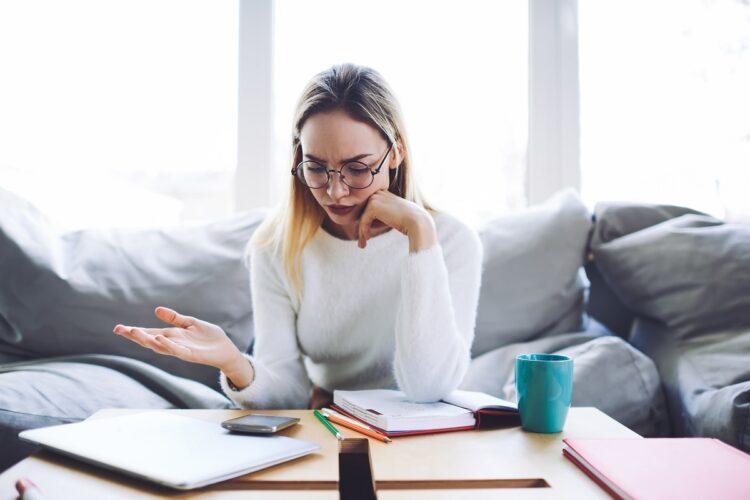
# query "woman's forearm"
(435, 321)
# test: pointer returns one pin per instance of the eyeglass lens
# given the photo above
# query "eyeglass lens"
(354, 174)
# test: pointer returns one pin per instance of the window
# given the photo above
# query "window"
(665, 103)
(133, 108)
(459, 70)
(128, 107)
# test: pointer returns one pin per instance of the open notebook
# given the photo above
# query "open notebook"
(390, 412)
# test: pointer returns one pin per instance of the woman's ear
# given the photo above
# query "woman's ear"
(398, 156)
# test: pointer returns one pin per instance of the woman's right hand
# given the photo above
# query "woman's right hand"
(193, 340)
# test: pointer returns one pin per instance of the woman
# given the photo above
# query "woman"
(356, 282)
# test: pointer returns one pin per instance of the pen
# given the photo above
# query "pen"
(355, 426)
(328, 425)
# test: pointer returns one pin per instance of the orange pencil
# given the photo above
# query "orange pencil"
(355, 426)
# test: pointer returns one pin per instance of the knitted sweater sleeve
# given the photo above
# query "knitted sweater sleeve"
(437, 313)
(281, 380)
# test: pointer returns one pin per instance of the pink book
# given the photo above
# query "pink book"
(663, 467)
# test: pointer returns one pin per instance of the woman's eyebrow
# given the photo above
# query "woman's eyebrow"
(353, 158)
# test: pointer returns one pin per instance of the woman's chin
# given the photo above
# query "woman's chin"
(341, 220)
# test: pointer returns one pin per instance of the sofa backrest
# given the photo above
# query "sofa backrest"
(63, 292)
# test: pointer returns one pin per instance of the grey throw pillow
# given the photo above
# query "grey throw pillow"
(532, 284)
(601, 363)
(691, 273)
(608, 362)
(614, 219)
(62, 293)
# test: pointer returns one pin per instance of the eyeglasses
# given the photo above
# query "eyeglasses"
(355, 174)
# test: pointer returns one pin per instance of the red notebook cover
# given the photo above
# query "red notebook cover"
(663, 467)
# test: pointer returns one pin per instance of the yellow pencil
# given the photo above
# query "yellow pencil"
(355, 426)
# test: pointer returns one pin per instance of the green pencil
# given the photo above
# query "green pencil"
(328, 425)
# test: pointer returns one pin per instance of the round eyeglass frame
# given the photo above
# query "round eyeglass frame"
(375, 172)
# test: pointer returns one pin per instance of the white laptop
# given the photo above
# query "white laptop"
(169, 449)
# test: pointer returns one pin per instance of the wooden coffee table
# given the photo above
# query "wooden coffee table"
(498, 463)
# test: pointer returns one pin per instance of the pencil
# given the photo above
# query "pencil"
(355, 426)
(328, 425)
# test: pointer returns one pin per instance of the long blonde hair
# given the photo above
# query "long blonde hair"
(365, 96)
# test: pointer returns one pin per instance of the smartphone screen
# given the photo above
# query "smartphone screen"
(258, 423)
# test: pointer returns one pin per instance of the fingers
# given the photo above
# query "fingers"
(366, 221)
(139, 336)
(167, 332)
(172, 317)
(154, 339)
(172, 347)
(378, 212)
(364, 227)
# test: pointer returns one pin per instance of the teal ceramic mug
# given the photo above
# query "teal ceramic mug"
(544, 384)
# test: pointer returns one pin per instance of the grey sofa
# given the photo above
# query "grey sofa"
(677, 287)
(546, 287)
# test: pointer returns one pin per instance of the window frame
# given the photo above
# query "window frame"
(553, 147)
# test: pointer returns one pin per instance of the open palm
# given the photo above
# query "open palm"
(190, 339)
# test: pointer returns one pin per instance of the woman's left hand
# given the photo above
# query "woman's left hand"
(385, 208)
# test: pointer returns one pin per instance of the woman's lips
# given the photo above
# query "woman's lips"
(340, 210)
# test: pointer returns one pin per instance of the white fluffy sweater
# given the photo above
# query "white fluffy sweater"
(378, 317)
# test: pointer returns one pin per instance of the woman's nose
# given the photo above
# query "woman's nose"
(336, 188)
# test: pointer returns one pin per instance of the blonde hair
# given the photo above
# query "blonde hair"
(365, 96)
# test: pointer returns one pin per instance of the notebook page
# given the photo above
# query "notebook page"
(394, 404)
(474, 401)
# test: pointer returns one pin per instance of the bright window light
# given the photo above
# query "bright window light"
(110, 103)
(665, 103)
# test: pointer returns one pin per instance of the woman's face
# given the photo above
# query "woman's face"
(332, 139)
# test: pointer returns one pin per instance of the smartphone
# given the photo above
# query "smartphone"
(256, 423)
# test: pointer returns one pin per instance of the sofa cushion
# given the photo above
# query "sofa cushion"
(63, 292)
(606, 363)
(490, 372)
(532, 284)
(706, 380)
(613, 220)
(601, 362)
(691, 273)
